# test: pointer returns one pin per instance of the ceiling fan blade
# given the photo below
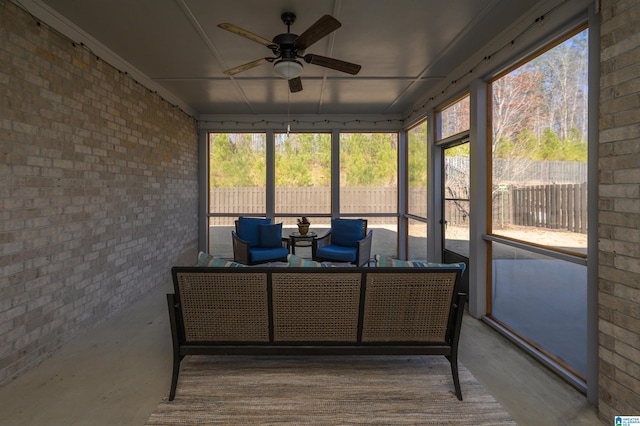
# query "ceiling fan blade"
(244, 33)
(322, 27)
(247, 66)
(295, 85)
(332, 63)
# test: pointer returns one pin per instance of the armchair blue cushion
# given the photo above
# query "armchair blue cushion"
(256, 240)
(337, 253)
(347, 241)
(268, 254)
(247, 229)
(270, 235)
(347, 232)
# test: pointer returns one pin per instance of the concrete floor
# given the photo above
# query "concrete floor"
(117, 374)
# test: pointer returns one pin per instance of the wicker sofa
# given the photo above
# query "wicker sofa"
(320, 311)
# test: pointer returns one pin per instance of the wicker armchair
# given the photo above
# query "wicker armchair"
(347, 241)
(250, 244)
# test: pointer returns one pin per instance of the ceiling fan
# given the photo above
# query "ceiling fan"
(289, 47)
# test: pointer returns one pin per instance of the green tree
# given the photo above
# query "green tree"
(575, 148)
(368, 159)
(303, 159)
(417, 156)
(460, 151)
(550, 147)
(237, 160)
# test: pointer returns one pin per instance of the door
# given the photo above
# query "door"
(456, 205)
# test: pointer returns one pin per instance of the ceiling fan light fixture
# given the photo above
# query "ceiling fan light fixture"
(287, 68)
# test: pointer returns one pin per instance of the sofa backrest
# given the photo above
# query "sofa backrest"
(408, 306)
(319, 305)
(222, 306)
(316, 306)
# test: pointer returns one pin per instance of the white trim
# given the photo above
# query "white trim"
(335, 173)
(434, 194)
(203, 191)
(402, 194)
(478, 198)
(301, 122)
(270, 189)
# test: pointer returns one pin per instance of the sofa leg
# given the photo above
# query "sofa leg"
(453, 360)
(174, 378)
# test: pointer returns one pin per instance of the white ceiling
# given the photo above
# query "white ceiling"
(405, 47)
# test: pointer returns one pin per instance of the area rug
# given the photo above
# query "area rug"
(327, 390)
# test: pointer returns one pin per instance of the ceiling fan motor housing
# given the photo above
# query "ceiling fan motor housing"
(285, 45)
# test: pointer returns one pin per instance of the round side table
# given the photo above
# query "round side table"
(296, 239)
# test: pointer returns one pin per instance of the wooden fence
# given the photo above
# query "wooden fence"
(552, 206)
(545, 206)
(308, 201)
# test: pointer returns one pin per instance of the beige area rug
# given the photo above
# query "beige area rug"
(327, 390)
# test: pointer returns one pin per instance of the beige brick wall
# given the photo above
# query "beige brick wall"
(98, 193)
(619, 210)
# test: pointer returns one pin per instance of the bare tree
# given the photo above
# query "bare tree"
(564, 85)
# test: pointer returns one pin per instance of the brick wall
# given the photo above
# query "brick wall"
(98, 193)
(619, 210)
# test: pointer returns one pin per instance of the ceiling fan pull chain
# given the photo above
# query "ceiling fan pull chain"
(288, 113)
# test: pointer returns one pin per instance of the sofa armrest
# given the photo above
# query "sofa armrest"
(363, 253)
(455, 321)
(240, 249)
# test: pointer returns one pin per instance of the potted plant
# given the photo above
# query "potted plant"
(303, 225)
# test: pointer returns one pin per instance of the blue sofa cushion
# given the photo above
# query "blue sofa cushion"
(346, 232)
(270, 235)
(338, 253)
(248, 229)
(264, 254)
(383, 261)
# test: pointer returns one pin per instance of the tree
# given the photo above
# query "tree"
(564, 85)
(539, 111)
(237, 160)
(417, 156)
(368, 159)
(454, 119)
(516, 106)
(303, 159)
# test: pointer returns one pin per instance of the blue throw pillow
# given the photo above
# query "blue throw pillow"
(346, 232)
(248, 229)
(270, 235)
